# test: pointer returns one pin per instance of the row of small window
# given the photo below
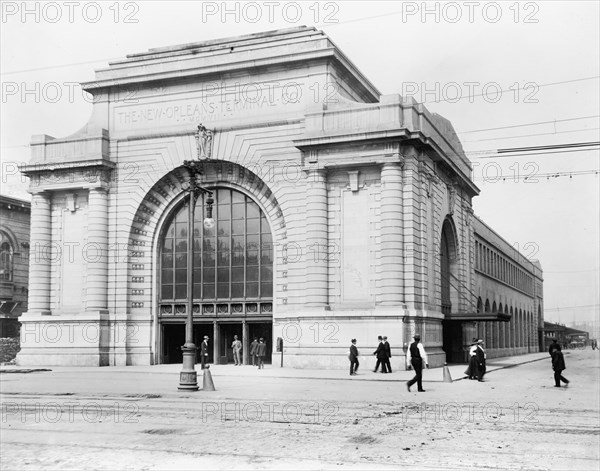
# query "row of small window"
(223, 275)
(218, 260)
(223, 291)
(223, 227)
(491, 263)
(238, 243)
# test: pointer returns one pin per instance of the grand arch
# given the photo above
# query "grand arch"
(218, 316)
(452, 330)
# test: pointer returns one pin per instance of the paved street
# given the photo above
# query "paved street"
(134, 418)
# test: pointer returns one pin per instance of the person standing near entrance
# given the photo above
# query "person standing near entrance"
(204, 352)
(237, 350)
(415, 357)
(353, 357)
(253, 346)
(261, 351)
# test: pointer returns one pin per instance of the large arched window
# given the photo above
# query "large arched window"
(6, 258)
(233, 261)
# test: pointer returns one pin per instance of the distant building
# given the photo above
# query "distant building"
(566, 336)
(14, 262)
(340, 213)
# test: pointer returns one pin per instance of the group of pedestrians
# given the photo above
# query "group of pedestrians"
(477, 360)
(258, 351)
(416, 357)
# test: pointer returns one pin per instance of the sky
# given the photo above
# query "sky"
(506, 74)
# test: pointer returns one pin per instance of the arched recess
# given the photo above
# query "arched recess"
(153, 212)
(449, 267)
(449, 284)
(8, 250)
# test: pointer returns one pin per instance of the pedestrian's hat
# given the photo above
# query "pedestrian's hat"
(206, 337)
(353, 340)
(417, 337)
(474, 340)
(480, 341)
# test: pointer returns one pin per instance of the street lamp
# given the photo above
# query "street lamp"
(188, 379)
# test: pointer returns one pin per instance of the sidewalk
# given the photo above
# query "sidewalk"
(274, 371)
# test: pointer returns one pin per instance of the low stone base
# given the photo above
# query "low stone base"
(79, 339)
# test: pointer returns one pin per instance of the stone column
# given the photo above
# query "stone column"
(392, 262)
(496, 334)
(316, 239)
(245, 343)
(96, 251)
(513, 332)
(40, 256)
(215, 343)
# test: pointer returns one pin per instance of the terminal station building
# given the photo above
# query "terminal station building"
(339, 213)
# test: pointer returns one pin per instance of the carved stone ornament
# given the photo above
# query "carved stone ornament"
(451, 198)
(204, 140)
(428, 177)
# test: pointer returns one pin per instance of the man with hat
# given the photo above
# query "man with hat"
(353, 357)
(381, 355)
(204, 352)
(415, 357)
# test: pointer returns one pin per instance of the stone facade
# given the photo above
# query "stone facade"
(368, 199)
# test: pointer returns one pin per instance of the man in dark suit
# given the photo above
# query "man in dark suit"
(261, 351)
(204, 352)
(353, 357)
(253, 346)
(388, 354)
(558, 365)
(415, 357)
(553, 347)
(380, 354)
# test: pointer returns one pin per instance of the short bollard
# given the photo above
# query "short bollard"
(207, 381)
(447, 377)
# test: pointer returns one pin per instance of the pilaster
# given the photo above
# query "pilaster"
(97, 250)
(316, 239)
(40, 259)
(391, 273)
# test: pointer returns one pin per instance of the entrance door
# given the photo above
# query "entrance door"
(262, 330)
(227, 331)
(453, 341)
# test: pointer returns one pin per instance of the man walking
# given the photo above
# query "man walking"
(388, 354)
(415, 357)
(253, 346)
(353, 357)
(553, 347)
(237, 350)
(204, 352)
(558, 365)
(261, 351)
(380, 354)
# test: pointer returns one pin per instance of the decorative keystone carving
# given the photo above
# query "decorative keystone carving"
(204, 140)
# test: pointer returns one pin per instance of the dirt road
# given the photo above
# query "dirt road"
(98, 419)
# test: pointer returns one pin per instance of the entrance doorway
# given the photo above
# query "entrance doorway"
(262, 330)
